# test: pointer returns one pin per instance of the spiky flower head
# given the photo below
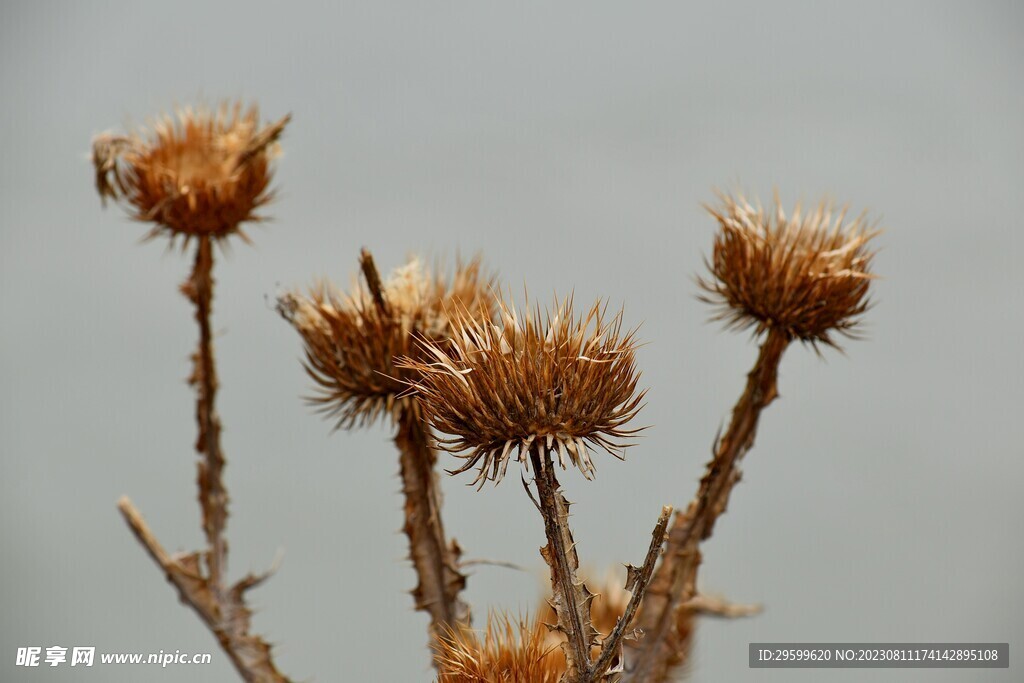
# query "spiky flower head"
(352, 339)
(806, 274)
(202, 174)
(558, 382)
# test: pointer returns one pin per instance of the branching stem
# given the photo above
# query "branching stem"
(223, 612)
(221, 608)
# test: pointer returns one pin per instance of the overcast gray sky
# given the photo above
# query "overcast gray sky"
(573, 145)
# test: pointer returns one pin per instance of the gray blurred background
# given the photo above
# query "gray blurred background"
(572, 145)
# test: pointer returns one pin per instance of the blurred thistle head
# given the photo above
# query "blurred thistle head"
(806, 274)
(202, 174)
(508, 651)
(522, 650)
(352, 339)
(557, 382)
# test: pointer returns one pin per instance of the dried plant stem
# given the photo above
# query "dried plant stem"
(373, 281)
(675, 580)
(570, 597)
(636, 582)
(223, 612)
(712, 606)
(435, 560)
(213, 497)
(221, 608)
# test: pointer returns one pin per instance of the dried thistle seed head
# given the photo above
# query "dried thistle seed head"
(806, 274)
(562, 383)
(202, 175)
(351, 341)
(508, 651)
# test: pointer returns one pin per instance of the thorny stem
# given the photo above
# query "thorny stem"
(225, 615)
(675, 581)
(221, 608)
(636, 582)
(213, 497)
(436, 562)
(571, 599)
